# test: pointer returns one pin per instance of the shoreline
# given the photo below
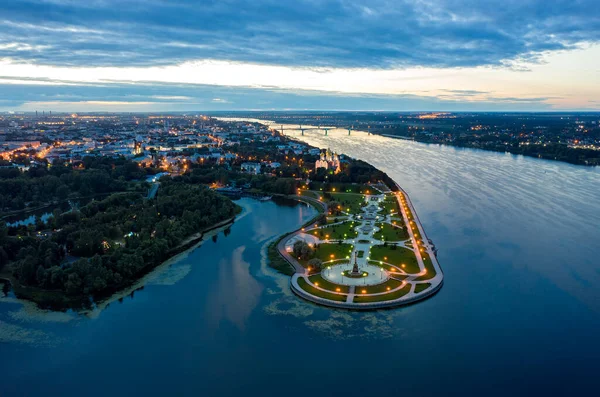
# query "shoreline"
(275, 125)
(411, 297)
(141, 282)
(192, 242)
(407, 299)
(404, 138)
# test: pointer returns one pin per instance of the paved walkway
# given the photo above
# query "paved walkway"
(364, 219)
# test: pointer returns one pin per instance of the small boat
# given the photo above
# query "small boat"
(265, 198)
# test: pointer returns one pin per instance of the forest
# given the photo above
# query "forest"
(44, 184)
(107, 244)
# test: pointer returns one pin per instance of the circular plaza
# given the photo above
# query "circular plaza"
(369, 253)
(341, 274)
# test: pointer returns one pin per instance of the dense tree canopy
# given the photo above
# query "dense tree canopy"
(41, 184)
(107, 244)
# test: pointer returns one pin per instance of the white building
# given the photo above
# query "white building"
(328, 160)
(251, 168)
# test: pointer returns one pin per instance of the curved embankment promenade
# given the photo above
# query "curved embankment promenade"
(406, 290)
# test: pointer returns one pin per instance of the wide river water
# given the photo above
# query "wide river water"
(519, 313)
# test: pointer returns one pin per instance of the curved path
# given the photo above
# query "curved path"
(411, 296)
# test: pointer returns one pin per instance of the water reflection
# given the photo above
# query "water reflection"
(236, 292)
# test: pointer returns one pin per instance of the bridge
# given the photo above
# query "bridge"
(319, 128)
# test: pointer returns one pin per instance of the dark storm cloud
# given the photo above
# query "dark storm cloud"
(313, 33)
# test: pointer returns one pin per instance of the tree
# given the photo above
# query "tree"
(62, 192)
(73, 284)
(335, 208)
(3, 257)
(302, 250)
(316, 264)
(40, 276)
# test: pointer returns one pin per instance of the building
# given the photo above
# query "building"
(137, 147)
(329, 160)
(251, 168)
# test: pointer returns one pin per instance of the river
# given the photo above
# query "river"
(518, 314)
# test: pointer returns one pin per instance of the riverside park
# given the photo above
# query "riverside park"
(368, 251)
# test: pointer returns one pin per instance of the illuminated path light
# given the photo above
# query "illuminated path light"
(351, 281)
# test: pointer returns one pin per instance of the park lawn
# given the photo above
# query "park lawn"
(350, 202)
(343, 231)
(310, 193)
(335, 262)
(388, 232)
(339, 251)
(385, 297)
(328, 285)
(339, 187)
(421, 287)
(390, 269)
(321, 294)
(410, 217)
(396, 257)
(375, 289)
(336, 219)
(429, 266)
(390, 205)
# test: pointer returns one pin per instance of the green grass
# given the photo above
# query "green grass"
(336, 219)
(374, 289)
(310, 193)
(338, 232)
(317, 278)
(414, 226)
(429, 266)
(350, 202)
(277, 262)
(339, 187)
(360, 254)
(421, 287)
(389, 269)
(396, 257)
(385, 297)
(322, 294)
(324, 252)
(391, 205)
(390, 233)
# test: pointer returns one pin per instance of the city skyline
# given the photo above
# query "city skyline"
(349, 55)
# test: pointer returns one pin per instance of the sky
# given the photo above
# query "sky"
(396, 55)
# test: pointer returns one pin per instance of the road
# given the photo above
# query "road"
(153, 190)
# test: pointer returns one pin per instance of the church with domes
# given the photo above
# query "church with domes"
(329, 160)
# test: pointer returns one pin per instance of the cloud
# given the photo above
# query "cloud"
(307, 33)
(466, 92)
(156, 96)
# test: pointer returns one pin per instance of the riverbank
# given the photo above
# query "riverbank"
(552, 152)
(411, 289)
(403, 288)
(192, 244)
(58, 300)
(279, 262)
